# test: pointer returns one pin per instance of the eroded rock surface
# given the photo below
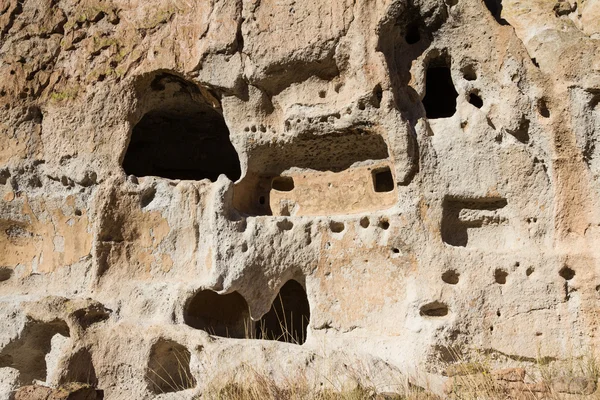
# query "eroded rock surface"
(362, 190)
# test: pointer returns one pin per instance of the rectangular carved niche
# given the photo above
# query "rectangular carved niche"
(474, 222)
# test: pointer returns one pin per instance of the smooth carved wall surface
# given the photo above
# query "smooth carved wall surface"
(402, 180)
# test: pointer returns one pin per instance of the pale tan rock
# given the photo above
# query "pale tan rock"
(411, 184)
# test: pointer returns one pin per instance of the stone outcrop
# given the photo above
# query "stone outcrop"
(370, 191)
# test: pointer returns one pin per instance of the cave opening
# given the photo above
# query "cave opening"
(440, 93)
(168, 368)
(383, 181)
(288, 318)
(182, 136)
(224, 315)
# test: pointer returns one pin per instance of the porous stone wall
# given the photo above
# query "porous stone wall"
(354, 192)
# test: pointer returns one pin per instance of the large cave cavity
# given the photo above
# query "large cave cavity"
(181, 136)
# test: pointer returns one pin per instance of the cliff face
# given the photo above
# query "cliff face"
(193, 188)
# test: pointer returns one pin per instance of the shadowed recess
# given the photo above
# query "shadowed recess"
(289, 316)
(440, 94)
(334, 151)
(169, 368)
(27, 353)
(80, 369)
(383, 181)
(224, 315)
(181, 138)
(434, 309)
(461, 215)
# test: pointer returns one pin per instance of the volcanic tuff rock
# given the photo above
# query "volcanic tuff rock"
(381, 186)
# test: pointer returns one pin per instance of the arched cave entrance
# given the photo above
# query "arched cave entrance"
(182, 136)
(288, 318)
(225, 315)
(168, 368)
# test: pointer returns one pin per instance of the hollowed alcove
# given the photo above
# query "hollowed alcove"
(169, 368)
(27, 353)
(224, 315)
(440, 94)
(181, 136)
(314, 174)
(289, 316)
(80, 368)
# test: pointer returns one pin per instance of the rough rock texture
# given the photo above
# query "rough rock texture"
(417, 179)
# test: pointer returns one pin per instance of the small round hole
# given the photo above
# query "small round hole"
(451, 277)
(285, 225)
(336, 227)
(566, 273)
(469, 73)
(543, 108)
(475, 100)
(364, 222)
(500, 276)
(5, 273)
(384, 224)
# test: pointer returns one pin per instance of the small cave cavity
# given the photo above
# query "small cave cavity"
(500, 276)
(451, 277)
(522, 131)
(384, 224)
(147, 196)
(475, 100)
(80, 369)
(461, 215)
(566, 273)
(283, 183)
(224, 315)
(364, 222)
(181, 136)
(89, 316)
(469, 72)
(383, 181)
(285, 225)
(27, 353)
(440, 93)
(288, 318)
(5, 273)
(543, 108)
(168, 368)
(336, 227)
(434, 309)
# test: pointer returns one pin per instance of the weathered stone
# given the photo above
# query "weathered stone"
(33, 392)
(345, 193)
